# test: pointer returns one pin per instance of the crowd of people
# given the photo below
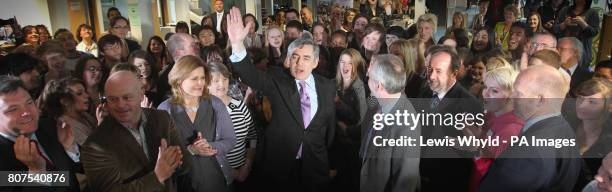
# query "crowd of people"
(288, 104)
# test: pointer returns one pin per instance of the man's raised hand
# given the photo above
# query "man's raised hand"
(236, 31)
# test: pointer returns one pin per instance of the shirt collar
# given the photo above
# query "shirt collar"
(309, 81)
(13, 138)
(534, 120)
(572, 69)
(441, 94)
(142, 123)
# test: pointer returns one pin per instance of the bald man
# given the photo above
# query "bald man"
(133, 149)
(538, 91)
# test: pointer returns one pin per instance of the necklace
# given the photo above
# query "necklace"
(192, 109)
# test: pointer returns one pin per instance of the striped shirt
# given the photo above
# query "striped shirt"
(245, 131)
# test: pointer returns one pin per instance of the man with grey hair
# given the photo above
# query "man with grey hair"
(293, 154)
(179, 45)
(571, 52)
(388, 168)
(538, 95)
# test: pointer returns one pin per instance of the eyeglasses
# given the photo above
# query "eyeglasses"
(542, 45)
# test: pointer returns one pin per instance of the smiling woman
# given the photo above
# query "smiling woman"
(67, 101)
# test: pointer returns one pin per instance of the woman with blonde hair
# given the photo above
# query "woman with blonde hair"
(500, 118)
(408, 51)
(350, 110)
(502, 29)
(203, 123)
(426, 28)
(274, 45)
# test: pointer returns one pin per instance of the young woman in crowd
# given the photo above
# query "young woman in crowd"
(408, 51)
(349, 17)
(459, 22)
(275, 46)
(253, 39)
(156, 49)
(206, 35)
(426, 28)
(502, 29)
(500, 118)
(66, 101)
(147, 73)
(535, 22)
(30, 35)
(43, 34)
(203, 122)
(350, 110)
(356, 35)
(91, 73)
(594, 128)
(87, 40)
(241, 156)
(373, 42)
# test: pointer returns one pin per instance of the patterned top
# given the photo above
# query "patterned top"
(245, 131)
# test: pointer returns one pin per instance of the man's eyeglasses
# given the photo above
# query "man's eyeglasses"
(121, 27)
(542, 45)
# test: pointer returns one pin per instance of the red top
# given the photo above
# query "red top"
(504, 126)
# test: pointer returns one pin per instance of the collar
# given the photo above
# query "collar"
(219, 13)
(441, 94)
(13, 137)
(388, 103)
(310, 81)
(572, 69)
(532, 121)
(142, 123)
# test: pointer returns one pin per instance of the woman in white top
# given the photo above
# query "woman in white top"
(86, 38)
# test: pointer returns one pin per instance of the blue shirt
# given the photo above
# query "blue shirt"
(312, 93)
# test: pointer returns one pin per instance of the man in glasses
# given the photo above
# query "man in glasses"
(543, 41)
(110, 50)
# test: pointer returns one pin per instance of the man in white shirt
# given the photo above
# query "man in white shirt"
(571, 51)
(219, 14)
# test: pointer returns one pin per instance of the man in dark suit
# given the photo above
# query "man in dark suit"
(571, 52)
(388, 168)
(133, 149)
(293, 155)
(538, 91)
(30, 145)
(445, 168)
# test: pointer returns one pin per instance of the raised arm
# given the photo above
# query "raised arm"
(236, 31)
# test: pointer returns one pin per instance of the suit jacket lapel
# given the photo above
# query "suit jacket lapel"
(292, 100)
(121, 133)
(319, 88)
(152, 135)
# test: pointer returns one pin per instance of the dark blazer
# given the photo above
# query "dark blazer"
(389, 168)
(46, 135)
(285, 132)
(519, 169)
(450, 173)
(579, 76)
(114, 161)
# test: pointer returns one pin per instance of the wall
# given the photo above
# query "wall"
(28, 12)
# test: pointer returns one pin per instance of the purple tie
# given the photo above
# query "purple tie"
(305, 105)
(305, 102)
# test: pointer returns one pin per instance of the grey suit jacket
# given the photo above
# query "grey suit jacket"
(389, 168)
